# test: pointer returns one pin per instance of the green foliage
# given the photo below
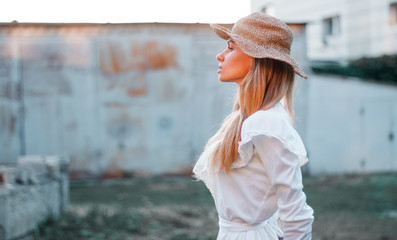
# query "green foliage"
(381, 69)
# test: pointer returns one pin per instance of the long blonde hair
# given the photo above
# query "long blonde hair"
(267, 83)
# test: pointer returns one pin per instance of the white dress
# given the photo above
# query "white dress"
(262, 197)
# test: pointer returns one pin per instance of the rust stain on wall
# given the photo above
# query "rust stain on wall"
(9, 90)
(7, 121)
(80, 51)
(130, 62)
(118, 62)
(155, 55)
(136, 92)
(76, 50)
(152, 55)
(137, 86)
(121, 158)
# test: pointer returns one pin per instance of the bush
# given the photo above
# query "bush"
(381, 69)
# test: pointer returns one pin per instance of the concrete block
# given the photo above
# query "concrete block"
(23, 176)
(64, 192)
(31, 193)
(53, 166)
(7, 175)
(29, 205)
(3, 212)
(64, 163)
(34, 162)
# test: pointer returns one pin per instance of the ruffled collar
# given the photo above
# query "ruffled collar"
(273, 122)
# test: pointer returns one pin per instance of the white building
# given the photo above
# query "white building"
(339, 30)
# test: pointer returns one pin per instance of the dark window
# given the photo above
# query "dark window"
(331, 28)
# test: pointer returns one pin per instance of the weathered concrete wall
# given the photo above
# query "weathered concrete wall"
(30, 193)
(140, 98)
(144, 99)
(351, 126)
(10, 105)
(110, 97)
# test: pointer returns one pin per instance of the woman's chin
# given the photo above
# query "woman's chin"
(227, 80)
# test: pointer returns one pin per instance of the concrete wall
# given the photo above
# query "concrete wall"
(135, 98)
(131, 97)
(365, 28)
(351, 126)
(30, 193)
(144, 99)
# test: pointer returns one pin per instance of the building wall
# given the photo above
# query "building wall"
(365, 28)
(144, 99)
(352, 126)
(135, 98)
(131, 97)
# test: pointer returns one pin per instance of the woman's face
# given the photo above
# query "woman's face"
(234, 64)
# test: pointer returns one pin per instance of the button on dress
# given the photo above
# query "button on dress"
(262, 197)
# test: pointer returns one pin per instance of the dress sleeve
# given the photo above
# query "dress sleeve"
(283, 169)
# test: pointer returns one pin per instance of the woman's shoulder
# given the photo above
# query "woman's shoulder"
(272, 123)
(275, 116)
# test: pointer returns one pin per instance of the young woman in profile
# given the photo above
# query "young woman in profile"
(252, 164)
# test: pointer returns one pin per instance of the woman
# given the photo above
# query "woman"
(252, 164)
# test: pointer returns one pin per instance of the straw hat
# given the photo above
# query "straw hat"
(262, 36)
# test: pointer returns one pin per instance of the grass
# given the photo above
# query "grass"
(141, 192)
(346, 207)
(361, 194)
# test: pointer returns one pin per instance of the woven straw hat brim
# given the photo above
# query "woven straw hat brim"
(256, 50)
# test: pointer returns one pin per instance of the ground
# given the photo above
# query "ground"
(179, 208)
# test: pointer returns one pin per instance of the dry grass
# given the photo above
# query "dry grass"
(346, 207)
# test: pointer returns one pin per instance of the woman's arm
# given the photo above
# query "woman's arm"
(284, 172)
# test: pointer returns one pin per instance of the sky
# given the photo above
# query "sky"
(124, 11)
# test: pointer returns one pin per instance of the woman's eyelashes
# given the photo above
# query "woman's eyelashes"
(229, 45)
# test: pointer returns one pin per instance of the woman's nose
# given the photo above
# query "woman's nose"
(219, 57)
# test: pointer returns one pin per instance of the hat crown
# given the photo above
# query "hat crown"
(264, 30)
(261, 36)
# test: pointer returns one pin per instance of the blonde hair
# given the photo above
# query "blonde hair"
(267, 83)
